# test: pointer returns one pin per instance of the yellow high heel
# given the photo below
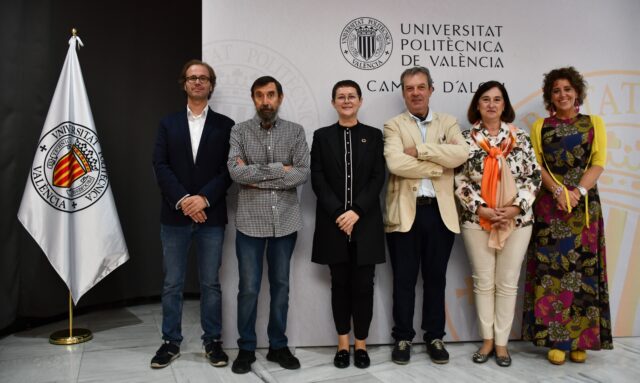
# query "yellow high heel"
(556, 356)
(578, 356)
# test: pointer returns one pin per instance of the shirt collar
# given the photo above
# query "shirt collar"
(426, 120)
(192, 116)
(345, 128)
(258, 121)
(504, 130)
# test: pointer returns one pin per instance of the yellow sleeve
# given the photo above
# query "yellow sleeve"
(536, 138)
(599, 146)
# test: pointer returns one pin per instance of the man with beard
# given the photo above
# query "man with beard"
(268, 158)
(422, 148)
(189, 162)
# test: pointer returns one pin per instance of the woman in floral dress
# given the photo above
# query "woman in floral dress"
(566, 304)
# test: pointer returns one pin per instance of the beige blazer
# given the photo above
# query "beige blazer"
(445, 149)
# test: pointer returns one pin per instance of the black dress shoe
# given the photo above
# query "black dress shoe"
(243, 362)
(341, 360)
(503, 361)
(284, 358)
(479, 357)
(361, 358)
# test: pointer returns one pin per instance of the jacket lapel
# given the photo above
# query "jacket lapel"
(413, 130)
(432, 131)
(185, 134)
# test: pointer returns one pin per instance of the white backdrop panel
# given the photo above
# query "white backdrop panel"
(463, 43)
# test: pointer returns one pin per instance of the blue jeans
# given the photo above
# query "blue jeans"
(176, 241)
(250, 253)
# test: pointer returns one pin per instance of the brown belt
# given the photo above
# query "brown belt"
(426, 201)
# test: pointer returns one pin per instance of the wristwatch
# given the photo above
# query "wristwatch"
(582, 190)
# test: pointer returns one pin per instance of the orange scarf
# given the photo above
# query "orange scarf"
(493, 163)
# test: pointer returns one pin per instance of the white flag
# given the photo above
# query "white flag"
(67, 205)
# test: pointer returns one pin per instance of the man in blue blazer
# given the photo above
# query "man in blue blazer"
(190, 165)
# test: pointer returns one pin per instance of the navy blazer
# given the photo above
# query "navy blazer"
(178, 175)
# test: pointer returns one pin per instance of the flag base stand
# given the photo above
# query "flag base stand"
(70, 335)
(62, 337)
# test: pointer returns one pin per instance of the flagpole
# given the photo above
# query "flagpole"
(70, 335)
(69, 227)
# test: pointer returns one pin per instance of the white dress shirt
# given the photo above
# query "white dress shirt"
(196, 126)
(426, 186)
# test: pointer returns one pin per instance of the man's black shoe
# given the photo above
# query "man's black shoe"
(284, 358)
(437, 352)
(213, 352)
(165, 355)
(401, 353)
(243, 361)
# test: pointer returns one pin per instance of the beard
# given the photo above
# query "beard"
(267, 114)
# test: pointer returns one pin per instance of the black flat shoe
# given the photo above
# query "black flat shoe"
(341, 360)
(361, 358)
(503, 361)
(478, 357)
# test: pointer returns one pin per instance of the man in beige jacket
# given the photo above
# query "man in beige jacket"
(421, 148)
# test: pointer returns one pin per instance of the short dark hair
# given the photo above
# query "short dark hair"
(346, 84)
(183, 74)
(414, 71)
(568, 73)
(473, 114)
(264, 80)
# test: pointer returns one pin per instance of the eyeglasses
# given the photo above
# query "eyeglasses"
(350, 98)
(193, 79)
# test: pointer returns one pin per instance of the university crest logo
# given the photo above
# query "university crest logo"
(69, 171)
(366, 43)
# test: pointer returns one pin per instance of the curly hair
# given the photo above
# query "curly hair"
(568, 73)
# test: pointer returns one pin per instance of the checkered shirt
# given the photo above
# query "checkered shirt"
(268, 203)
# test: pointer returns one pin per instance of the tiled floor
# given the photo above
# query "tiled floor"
(125, 339)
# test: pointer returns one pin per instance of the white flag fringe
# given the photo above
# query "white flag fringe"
(67, 205)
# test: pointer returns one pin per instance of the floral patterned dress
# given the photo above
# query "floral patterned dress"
(566, 294)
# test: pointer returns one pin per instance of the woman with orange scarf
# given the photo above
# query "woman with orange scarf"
(496, 188)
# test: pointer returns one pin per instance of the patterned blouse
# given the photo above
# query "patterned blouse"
(524, 167)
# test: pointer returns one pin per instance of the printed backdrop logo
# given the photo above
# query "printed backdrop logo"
(68, 171)
(238, 63)
(366, 43)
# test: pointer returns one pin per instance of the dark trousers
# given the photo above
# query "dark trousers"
(427, 246)
(352, 296)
